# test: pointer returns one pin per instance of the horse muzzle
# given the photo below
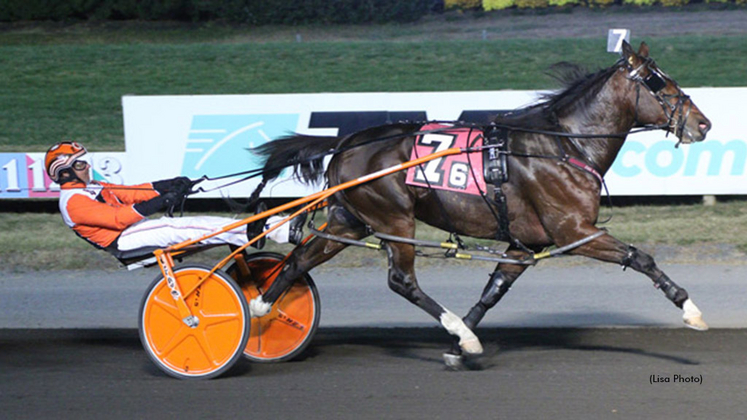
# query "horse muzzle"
(687, 122)
(694, 130)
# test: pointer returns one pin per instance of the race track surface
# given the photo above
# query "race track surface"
(550, 295)
(389, 373)
(568, 342)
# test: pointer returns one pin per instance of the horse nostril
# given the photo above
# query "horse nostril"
(704, 127)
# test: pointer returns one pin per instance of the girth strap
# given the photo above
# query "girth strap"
(495, 172)
(494, 157)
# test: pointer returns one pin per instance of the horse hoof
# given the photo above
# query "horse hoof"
(696, 323)
(453, 361)
(693, 317)
(258, 307)
(471, 346)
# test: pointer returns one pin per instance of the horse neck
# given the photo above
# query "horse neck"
(611, 111)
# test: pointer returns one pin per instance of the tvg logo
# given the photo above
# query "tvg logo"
(220, 144)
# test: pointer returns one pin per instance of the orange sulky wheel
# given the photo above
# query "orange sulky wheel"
(287, 330)
(207, 349)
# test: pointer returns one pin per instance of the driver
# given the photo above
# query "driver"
(115, 217)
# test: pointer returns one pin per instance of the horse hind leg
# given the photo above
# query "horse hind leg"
(499, 283)
(402, 281)
(305, 257)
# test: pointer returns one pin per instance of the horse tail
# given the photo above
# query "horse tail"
(304, 153)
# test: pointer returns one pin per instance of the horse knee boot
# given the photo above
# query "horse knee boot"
(495, 289)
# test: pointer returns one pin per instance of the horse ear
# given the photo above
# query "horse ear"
(628, 54)
(643, 50)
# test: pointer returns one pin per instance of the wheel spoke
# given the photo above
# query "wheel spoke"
(178, 338)
(216, 319)
(168, 306)
(208, 321)
(207, 349)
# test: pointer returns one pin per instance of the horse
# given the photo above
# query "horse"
(548, 201)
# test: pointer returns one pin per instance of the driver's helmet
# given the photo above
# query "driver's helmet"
(61, 156)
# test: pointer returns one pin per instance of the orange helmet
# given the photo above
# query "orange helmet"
(61, 156)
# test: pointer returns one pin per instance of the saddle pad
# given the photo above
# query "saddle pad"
(453, 173)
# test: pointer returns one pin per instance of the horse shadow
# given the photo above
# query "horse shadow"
(428, 344)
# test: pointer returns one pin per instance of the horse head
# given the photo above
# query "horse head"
(659, 101)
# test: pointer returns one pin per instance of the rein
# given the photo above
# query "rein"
(654, 82)
(253, 173)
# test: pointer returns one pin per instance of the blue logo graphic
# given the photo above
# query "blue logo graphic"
(219, 144)
(663, 160)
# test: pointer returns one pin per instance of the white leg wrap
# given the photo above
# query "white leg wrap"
(692, 316)
(468, 341)
(258, 307)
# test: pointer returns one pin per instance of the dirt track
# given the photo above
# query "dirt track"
(378, 357)
(389, 374)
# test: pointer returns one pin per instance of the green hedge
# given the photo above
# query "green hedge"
(462, 4)
(259, 12)
(337, 11)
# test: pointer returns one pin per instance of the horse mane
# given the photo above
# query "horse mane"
(578, 87)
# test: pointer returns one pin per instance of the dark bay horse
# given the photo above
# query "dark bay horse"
(549, 201)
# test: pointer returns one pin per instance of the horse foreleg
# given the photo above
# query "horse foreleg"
(644, 263)
(608, 248)
(402, 281)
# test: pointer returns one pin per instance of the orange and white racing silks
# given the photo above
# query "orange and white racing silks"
(103, 213)
(100, 211)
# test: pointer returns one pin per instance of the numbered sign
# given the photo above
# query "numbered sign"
(22, 175)
(615, 39)
(13, 183)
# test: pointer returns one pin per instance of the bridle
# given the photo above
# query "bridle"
(655, 82)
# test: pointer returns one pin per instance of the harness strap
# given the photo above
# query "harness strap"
(590, 169)
(585, 167)
(495, 173)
